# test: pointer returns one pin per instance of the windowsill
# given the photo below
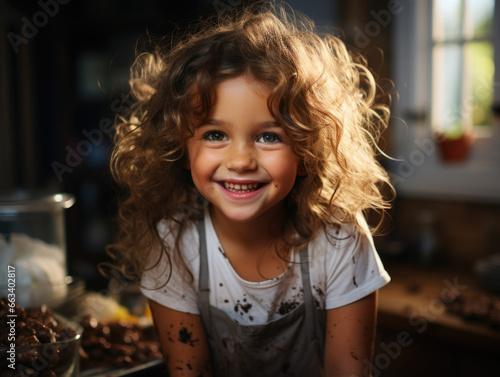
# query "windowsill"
(423, 174)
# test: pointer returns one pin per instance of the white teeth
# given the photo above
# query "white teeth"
(245, 187)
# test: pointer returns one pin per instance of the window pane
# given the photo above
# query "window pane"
(447, 19)
(447, 88)
(480, 71)
(479, 15)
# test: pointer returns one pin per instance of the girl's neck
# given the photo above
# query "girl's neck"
(267, 229)
(255, 249)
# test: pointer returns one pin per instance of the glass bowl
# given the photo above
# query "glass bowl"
(44, 353)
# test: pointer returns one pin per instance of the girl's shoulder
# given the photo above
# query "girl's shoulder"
(349, 229)
(339, 238)
(338, 230)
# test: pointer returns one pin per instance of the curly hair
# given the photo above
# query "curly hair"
(324, 96)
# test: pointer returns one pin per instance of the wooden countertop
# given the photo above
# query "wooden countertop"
(412, 302)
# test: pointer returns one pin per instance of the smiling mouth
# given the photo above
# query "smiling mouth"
(241, 187)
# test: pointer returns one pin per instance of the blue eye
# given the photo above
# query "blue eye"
(215, 136)
(269, 137)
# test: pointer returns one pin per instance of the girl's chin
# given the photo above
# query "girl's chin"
(240, 217)
(248, 215)
(235, 214)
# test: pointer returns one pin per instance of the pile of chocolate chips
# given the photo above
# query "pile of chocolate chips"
(482, 308)
(48, 354)
(120, 344)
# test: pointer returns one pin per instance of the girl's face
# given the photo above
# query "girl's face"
(241, 161)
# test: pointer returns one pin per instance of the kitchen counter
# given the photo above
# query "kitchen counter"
(418, 336)
(153, 368)
(414, 301)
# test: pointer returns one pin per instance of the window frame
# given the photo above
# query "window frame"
(464, 41)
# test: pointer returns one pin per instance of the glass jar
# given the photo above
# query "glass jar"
(33, 244)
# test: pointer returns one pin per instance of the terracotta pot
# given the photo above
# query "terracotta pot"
(454, 149)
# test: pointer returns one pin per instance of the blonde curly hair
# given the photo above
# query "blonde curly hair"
(324, 97)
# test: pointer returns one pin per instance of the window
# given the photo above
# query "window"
(444, 61)
(462, 65)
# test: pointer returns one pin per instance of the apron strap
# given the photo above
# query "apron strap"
(204, 289)
(308, 296)
(313, 320)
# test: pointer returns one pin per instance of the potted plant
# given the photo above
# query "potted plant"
(454, 145)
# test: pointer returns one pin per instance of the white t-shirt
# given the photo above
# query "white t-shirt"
(344, 267)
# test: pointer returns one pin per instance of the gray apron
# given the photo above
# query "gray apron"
(292, 345)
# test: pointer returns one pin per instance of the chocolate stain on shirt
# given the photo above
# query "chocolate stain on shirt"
(321, 294)
(244, 307)
(288, 306)
(319, 291)
(222, 251)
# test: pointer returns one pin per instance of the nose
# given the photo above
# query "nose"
(241, 158)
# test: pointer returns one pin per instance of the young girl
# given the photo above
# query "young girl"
(248, 159)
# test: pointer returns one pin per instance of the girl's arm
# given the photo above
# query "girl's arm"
(350, 333)
(183, 341)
